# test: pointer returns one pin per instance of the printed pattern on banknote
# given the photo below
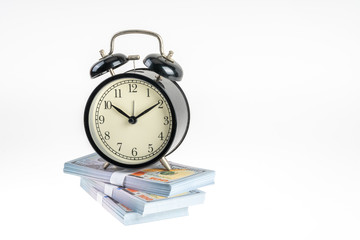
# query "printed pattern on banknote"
(151, 197)
(95, 162)
(162, 175)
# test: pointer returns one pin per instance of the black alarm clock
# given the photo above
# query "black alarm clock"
(138, 117)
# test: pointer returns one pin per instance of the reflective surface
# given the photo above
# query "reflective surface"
(107, 63)
(164, 67)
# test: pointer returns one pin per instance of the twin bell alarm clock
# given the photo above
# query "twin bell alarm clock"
(135, 118)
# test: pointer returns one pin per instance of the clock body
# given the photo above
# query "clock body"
(135, 118)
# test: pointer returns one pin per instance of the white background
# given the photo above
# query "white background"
(274, 93)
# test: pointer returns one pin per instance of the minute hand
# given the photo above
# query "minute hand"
(147, 110)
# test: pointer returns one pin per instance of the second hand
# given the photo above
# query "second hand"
(133, 109)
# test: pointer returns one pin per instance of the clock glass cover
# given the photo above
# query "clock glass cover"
(130, 121)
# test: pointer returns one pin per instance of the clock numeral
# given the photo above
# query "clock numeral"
(107, 104)
(101, 119)
(117, 93)
(166, 118)
(148, 92)
(119, 144)
(161, 136)
(161, 102)
(107, 135)
(132, 88)
(150, 148)
(134, 151)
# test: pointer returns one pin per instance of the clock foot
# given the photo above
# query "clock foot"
(106, 165)
(165, 163)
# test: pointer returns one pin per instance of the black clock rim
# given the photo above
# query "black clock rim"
(188, 119)
(86, 120)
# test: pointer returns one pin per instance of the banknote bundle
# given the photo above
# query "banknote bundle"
(154, 179)
(141, 195)
(126, 215)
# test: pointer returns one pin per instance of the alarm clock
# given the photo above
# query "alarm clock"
(135, 118)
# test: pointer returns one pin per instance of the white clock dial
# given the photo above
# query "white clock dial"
(130, 121)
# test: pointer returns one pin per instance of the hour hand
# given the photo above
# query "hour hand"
(121, 111)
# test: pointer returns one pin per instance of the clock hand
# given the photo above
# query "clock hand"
(147, 110)
(133, 108)
(121, 111)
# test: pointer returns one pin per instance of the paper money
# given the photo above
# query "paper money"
(145, 203)
(153, 179)
(126, 215)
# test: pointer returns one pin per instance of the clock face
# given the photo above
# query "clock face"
(130, 121)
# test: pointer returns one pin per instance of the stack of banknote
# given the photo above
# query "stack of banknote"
(141, 195)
